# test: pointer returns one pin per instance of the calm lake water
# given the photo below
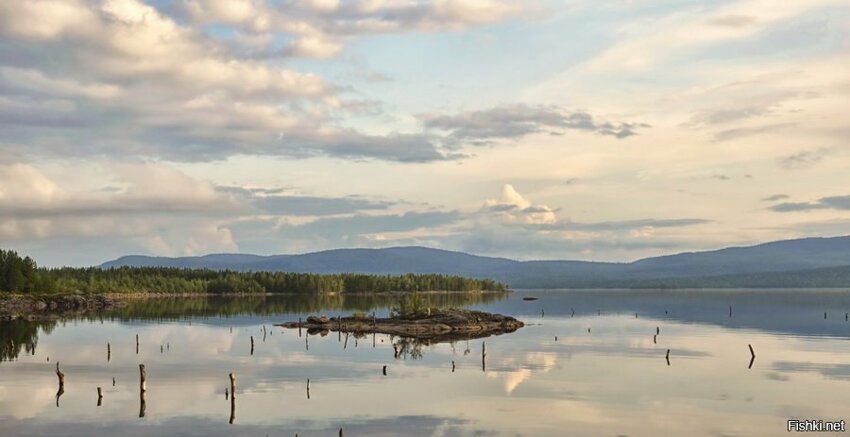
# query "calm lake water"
(604, 375)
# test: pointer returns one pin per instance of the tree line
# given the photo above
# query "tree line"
(22, 275)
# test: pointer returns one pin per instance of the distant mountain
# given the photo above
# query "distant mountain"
(802, 259)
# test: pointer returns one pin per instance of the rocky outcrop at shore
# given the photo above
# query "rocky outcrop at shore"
(52, 307)
(441, 325)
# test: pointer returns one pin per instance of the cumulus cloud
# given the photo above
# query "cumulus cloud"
(120, 76)
(514, 208)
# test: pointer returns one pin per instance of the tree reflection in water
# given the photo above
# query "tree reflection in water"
(17, 336)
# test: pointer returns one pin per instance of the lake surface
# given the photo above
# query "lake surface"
(603, 375)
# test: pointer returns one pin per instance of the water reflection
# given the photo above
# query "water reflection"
(21, 336)
(613, 379)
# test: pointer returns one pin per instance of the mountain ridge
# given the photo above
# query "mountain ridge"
(794, 255)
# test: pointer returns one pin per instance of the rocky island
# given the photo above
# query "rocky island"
(435, 325)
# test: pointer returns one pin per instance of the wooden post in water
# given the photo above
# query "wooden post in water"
(232, 398)
(340, 432)
(385, 370)
(655, 339)
(668, 357)
(453, 366)
(113, 381)
(264, 333)
(143, 389)
(61, 390)
(824, 315)
(143, 378)
(308, 388)
(299, 327)
(99, 396)
(730, 311)
(657, 330)
(752, 356)
(483, 357)
(108, 352)
(137, 344)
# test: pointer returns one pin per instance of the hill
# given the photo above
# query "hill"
(807, 260)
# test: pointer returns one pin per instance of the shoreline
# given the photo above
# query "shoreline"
(38, 307)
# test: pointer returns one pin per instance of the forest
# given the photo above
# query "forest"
(22, 275)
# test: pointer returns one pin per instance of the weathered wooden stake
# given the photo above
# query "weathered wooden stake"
(299, 327)
(99, 396)
(668, 357)
(824, 315)
(657, 330)
(252, 345)
(143, 389)
(113, 381)
(61, 390)
(143, 378)
(232, 385)
(340, 432)
(730, 310)
(385, 370)
(137, 344)
(453, 366)
(308, 388)
(556, 338)
(655, 339)
(226, 393)
(483, 357)
(108, 352)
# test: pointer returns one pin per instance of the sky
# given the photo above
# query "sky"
(540, 129)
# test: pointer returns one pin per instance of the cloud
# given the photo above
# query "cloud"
(512, 207)
(831, 202)
(274, 202)
(775, 197)
(320, 28)
(121, 77)
(634, 224)
(518, 120)
(806, 158)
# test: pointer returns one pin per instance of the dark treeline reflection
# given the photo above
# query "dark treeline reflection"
(18, 336)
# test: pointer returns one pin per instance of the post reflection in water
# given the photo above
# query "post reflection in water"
(527, 383)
